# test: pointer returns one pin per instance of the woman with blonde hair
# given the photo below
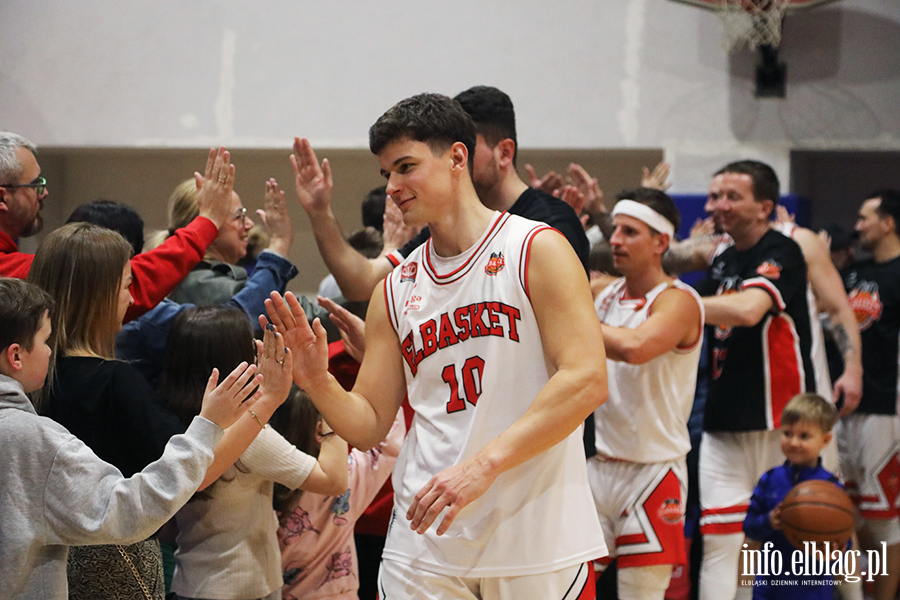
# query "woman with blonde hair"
(107, 404)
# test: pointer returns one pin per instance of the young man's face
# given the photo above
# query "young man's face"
(418, 182)
(634, 246)
(485, 168)
(36, 361)
(802, 443)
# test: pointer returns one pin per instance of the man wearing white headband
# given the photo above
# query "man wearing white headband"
(652, 330)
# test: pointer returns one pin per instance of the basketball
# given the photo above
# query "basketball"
(817, 511)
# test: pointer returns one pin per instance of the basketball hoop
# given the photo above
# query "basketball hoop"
(752, 22)
(755, 23)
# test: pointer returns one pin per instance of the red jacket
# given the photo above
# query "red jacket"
(155, 273)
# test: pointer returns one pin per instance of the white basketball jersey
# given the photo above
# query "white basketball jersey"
(645, 418)
(474, 362)
(817, 350)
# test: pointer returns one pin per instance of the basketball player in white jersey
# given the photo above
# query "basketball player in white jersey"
(652, 329)
(489, 327)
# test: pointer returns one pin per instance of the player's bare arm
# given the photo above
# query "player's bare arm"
(573, 347)
(674, 322)
(742, 309)
(692, 254)
(355, 274)
(357, 416)
(830, 297)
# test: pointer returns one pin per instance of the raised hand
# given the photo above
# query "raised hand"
(215, 187)
(314, 184)
(352, 328)
(782, 215)
(703, 227)
(275, 364)
(656, 179)
(589, 188)
(275, 218)
(223, 404)
(547, 184)
(308, 345)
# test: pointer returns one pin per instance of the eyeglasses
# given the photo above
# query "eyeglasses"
(240, 214)
(39, 184)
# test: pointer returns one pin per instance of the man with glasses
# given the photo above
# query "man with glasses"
(157, 272)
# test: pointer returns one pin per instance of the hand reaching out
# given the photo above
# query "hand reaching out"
(703, 227)
(275, 364)
(314, 183)
(782, 215)
(223, 404)
(352, 328)
(308, 345)
(276, 219)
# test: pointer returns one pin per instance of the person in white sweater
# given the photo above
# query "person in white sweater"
(227, 543)
(56, 491)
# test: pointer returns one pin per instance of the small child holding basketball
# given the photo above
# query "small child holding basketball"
(806, 424)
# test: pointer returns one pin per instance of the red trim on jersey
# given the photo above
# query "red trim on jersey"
(526, 254)
(768, 287)
(393, 259)
(726, 510)
(784, 364)
(463, 268)
(388, 303)
(882, 515)
(722, 528)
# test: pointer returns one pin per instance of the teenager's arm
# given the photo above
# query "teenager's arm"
(674, 321)
(573, 347)
(355, 274)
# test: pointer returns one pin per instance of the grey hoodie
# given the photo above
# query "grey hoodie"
(55, 493)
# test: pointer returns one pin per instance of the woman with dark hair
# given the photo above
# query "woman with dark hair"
(227, 544)
(108, 405)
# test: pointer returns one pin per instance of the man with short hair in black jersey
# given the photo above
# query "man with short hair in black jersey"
(755, 299)
(868, 440)
(496, 181)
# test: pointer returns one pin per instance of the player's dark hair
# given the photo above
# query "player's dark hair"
(113, 215)
(434, 119)
(764, 179)
(811, 408)
(493, 114)
(889, 205)
(368, 241)
(655, 199)
(21, 312)
(373, 208)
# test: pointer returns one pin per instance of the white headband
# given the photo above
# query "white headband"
(644, 213)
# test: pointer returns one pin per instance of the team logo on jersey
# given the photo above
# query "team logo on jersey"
(770, 270)
(495, 264)
(408, 272)
(670, 511)
(866, 304)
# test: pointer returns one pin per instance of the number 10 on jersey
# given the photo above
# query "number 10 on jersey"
(470, 373)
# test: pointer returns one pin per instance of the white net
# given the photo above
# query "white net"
(752, 22)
